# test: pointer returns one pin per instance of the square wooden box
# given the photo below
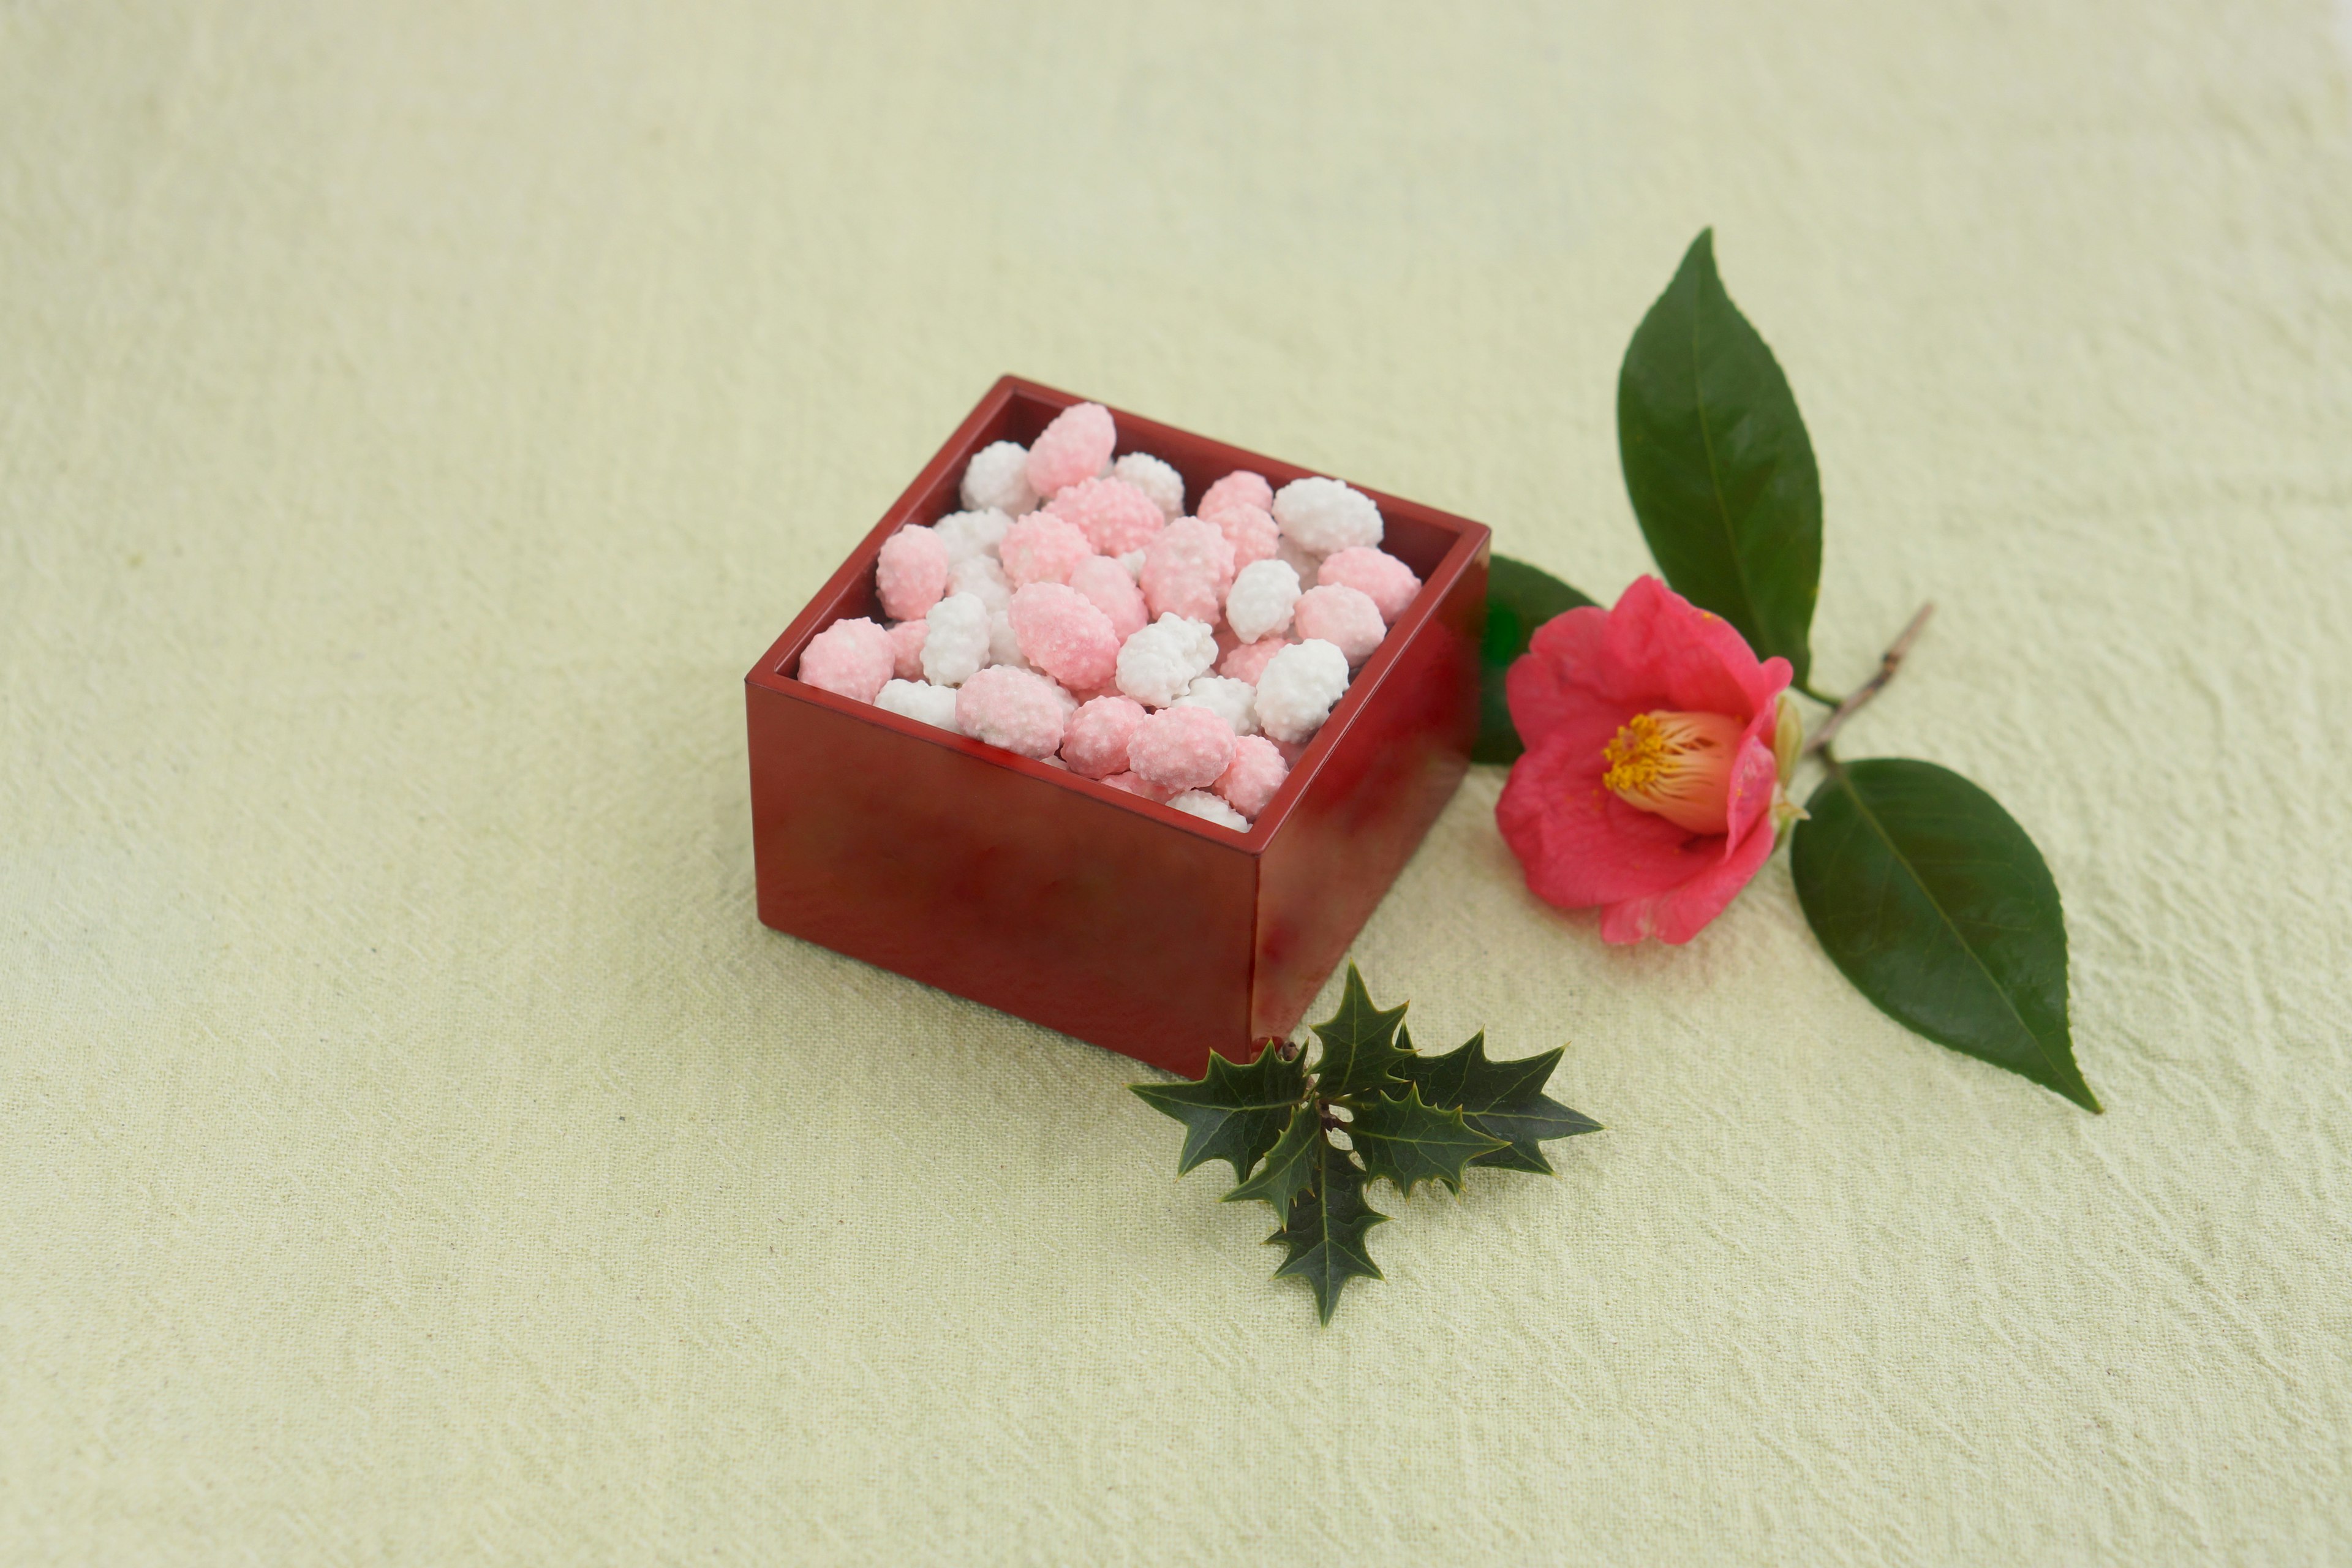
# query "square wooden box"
(1072, 904)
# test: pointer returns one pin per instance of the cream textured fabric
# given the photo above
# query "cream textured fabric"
(418, 416)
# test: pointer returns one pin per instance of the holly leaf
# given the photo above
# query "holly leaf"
(1519, 598)
(1409, 1141)
(1291, 1164)
(1325, 1229)
(1360, 1049)
(1233, 1113)
(1501, 1099)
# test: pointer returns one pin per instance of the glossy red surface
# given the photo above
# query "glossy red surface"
(1075, 905)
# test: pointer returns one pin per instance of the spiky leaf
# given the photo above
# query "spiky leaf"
(1232, 1113)
(1360, 1049)
(1502, 1100)
(1325, 1229)
(1290, 1166)
(1407, 1140)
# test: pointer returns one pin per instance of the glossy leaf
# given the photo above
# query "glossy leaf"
(1407, 1140)
(1290, 1165)
(1519, 598)
(1718, 463)
(1325, 1229)
(1360, 1049)
(1935, 904)
(1232, 1113)
(1502, 1100)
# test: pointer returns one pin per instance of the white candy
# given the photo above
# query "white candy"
(984, 578)
(998, 477)
(921, 701)
(1258, 604)
(1159, 662)
(1200, 803)
(1155, 478)
(1324, 515)
(1235, 701)
(1003, 646)
(1296, 692)
(1133, 561)
(956, 648)
(969, 534)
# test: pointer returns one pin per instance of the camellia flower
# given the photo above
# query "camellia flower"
(1658, 750)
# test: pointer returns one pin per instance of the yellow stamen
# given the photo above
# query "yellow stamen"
(1675, 764)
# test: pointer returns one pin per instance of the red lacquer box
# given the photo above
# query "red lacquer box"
(1071, 903)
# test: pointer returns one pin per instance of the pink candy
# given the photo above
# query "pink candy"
(1076, 446)
(1135, 785)
(1180, 748)
(1014, 708)
(911, 572)
(1247, 662)
(1113, 591)
(1241, 485)
(1380, 576)
(1117, 517)
(1345, 618)
(1042, 548)
(851, 659)
(1095, 742)
(907, 639)
(1256, 771)
(1187, 570)
(1250, 530)
(1062, 633)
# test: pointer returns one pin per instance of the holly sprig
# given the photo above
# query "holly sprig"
(1308, 1138)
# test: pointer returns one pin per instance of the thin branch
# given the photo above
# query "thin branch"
(1888, 663)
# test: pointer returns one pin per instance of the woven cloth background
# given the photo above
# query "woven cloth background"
(418, 416)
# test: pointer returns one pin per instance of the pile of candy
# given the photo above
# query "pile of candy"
(1073, 612)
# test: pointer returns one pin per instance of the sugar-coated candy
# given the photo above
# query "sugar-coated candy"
(1004, 642)
(1247, 662)
(911, 573)
(956, 645)
(1235, 701)
(984, 578)
(1113, 591)
(1155, 478)
(1159, 662)
(1380, 576)
(1344, 617)
(1187, 569)
(1135, 785)
(1201, 803)
(1132, 559)
(1324, 515)
(998, 477)
(1095, 741)
(1115, 516)
(1250, 530)
(851, 659)
(1300, 684)
(1180, 748)
(1042, 548)
(970, 533)
(1306, 563)
(1242, 486)
(1061, 632)
(907, 639)
(1259, 603)
(1076, 446)
(1014, 708)
(921, 701)
(1256, 771)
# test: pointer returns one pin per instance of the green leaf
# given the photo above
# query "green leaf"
(1519, 598)
(1290, 1166)
(1325, 1229)
(1501, 1099)
(1718, 466)
(1360, 1049)
(1408, 1141)
(1939, 908)
(1232, 1113)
